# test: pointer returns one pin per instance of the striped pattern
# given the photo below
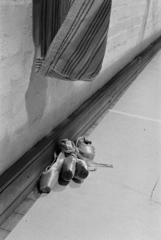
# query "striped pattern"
(78, 48)
(50, 15)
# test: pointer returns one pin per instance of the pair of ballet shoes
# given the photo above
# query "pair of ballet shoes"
(69, 168)
(74, 168)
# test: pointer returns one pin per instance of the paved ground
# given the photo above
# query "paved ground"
(120, 203)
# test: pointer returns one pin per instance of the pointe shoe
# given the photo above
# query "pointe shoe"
(68, 168)
(85, 148)
(81, 171)
(50, 176)
(86, 151)
(67, 146)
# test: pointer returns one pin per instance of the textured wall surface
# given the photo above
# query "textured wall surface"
(30, 107)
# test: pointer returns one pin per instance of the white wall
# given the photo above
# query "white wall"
(31, 107)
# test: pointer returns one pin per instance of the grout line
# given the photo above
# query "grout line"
(135, 116)
(128, 187)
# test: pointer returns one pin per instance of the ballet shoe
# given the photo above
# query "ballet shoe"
(67, 146)
(81, 171)
(85, 148)
(68, 168)
(50, 176)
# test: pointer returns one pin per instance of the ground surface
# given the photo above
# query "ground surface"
(120, 203)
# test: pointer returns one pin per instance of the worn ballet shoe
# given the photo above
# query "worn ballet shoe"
(67, 146)
(85, 148)
(81, 171)
(68, 168)
(50, 176)
(86, 151)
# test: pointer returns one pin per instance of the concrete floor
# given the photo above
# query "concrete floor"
(120, 203)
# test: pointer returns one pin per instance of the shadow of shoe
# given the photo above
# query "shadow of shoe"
(58, 188)
(75, 183)
(62, 182)
(78, 181)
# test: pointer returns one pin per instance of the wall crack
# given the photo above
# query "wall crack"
(152, 192)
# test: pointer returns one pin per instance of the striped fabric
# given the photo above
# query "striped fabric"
(51, 16)
(78, 47)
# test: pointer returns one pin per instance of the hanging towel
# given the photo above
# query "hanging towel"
(78, 47)
(48, 18)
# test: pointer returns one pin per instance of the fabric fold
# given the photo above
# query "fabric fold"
(75, 48)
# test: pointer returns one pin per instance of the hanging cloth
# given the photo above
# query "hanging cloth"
(73, 38)
(48, 16)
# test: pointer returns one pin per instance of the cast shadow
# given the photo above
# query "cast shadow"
(36, 93)
(35, 97)
(58, 188)
(75, 183)
(61, 185)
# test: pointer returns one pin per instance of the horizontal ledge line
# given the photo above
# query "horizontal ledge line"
(135, 116)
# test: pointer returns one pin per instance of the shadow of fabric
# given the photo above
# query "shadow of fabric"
(36, 93)
(36, 97)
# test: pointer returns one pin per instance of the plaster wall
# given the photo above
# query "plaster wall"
(30, 106)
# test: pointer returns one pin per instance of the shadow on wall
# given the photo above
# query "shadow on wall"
(36, 102)
(36, 97)
(38, 94)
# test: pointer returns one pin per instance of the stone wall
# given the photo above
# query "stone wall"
(30, 107)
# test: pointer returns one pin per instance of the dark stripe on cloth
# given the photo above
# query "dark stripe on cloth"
(73, 30)
(77, 50)
(91, 58)
(86, 41)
